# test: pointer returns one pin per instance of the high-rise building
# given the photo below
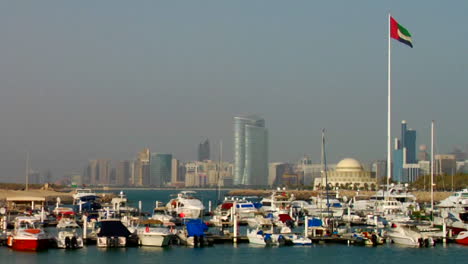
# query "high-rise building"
(404, 153)
(250, 151)
(141, 174)
(204, 150)
(98, 172)
(379, 169)
(124, 172)
(275, 173)
(160, 169)
(445, 164)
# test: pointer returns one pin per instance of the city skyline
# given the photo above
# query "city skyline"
(83, 81)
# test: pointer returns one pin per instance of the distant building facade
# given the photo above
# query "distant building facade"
(404, 154)
(204, 150)
(250, 151)
(160, 169)
(349, 173)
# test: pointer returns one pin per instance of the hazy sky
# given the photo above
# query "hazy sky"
(81, 80)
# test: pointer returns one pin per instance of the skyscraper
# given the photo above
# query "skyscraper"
(160, 169)
(250, 151)
(141, 169)
(404, 152)
(204, 150)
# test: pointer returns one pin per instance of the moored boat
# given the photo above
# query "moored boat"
(462, 238)
(28, 235)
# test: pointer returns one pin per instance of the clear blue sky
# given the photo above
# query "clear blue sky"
(82, 80)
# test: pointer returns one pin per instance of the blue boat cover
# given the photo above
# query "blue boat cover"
(196, 227)
(258, 205)
(315, 222)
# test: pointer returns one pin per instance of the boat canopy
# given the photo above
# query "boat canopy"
(196, 227)
(315, 222)
(113, 228)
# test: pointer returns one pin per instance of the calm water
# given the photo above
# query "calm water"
(244, 253)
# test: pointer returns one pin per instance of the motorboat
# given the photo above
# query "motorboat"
(398, 193)
(193, 234)
(154, 233)
(185, 205)
(69, 234)
(455, 199)
(409, 236)
(120, 205)
(279, 202)
(28, 235)
(82, 193)
(161, 214)
(462, 238)
(112, 233)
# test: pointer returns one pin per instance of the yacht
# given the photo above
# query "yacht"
(185, 205)
(455, 199)
(409, 236)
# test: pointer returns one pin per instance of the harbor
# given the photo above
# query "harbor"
(168, 219)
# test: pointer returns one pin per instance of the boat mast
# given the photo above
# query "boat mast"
(219, 172)
(432, 167)
(27, 172)
(324, 169)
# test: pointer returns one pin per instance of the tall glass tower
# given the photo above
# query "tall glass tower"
(250, 151)
(160, 169)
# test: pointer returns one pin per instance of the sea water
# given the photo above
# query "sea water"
(242, 253)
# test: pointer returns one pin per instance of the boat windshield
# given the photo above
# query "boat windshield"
(28, 225)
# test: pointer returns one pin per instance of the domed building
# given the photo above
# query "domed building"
(348, 173)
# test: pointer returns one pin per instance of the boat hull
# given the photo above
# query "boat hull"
(29, 244)
(154, 240)
(462, 238)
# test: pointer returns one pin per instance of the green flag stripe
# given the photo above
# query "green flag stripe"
(403, 30)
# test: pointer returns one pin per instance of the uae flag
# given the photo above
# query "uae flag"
(400, 33)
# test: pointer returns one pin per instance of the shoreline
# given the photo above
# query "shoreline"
(66, 194)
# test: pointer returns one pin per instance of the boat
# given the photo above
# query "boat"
(112, 233)
(120, 205)
(462, 238)
(82, 193)
(279, 202)
(185, 205)
(28, 235)
(193, 234)
(408, 236)
(455, 199)
(69, 234)
(153, 233)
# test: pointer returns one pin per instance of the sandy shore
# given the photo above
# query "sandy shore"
(50, 195)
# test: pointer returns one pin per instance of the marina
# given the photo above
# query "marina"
(140, 233)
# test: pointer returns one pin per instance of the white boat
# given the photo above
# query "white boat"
(457, 198)
(153, 233)
(279, 202)
(409, 236)
(112, 233)
(80, 193)
(398, 193)
(28, 235)
(185, 205)
(68, 234)
(120, 205)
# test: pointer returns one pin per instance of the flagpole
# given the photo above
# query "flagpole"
(389, 139)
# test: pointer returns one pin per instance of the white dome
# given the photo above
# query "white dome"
(349, 164)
